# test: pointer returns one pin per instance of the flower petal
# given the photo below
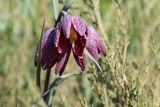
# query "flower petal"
(65, 47)
(49, 51)
(59, 26)
(66, 25)
(56, 38)
(79, 25)
(81, 61)
(43, 42)
(95, 38)
(92, 48)
(79, 45)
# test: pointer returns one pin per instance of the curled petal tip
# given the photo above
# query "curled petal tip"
(63, 57)
(81, 61)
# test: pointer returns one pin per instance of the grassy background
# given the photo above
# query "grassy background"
(131, 69)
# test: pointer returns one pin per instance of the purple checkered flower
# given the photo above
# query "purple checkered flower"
(72, 33)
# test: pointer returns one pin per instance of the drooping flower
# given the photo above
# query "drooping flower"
(72, 33)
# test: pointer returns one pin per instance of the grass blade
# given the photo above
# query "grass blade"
(90, 57)
(55, 7)
(38, 70)
(68, 4)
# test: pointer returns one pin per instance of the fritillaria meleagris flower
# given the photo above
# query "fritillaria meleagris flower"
(72, 33)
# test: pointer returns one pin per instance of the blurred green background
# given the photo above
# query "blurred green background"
(135, 21)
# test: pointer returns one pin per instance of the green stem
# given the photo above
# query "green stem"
(65, 8)
(45, 97)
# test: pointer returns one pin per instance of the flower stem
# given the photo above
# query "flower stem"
(65, 8)
(45, 97)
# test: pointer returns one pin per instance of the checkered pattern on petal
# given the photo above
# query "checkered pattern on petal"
(79, 25)
(49, 51)
(66, 25)
(63, 57)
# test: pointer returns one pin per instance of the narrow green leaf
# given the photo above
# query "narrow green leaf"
(59, 79)
(55, 7)
(68, 4)
(38, 70)
(90, 57)
(56, 82)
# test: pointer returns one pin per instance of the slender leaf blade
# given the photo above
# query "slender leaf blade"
(38, 70)
(55, 7)
(90, 57)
